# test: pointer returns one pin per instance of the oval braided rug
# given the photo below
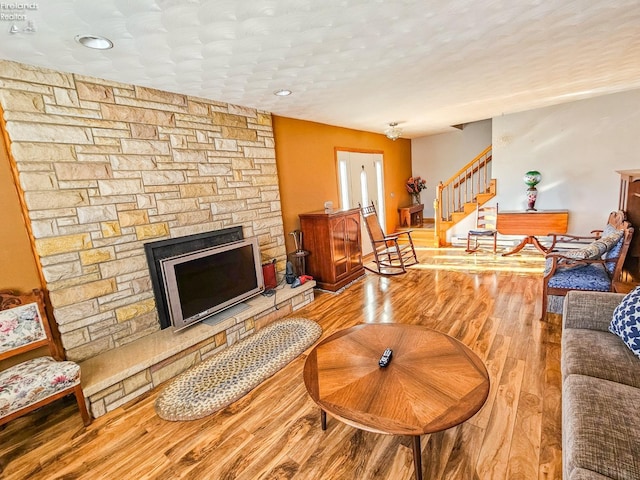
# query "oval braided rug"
(228, 375)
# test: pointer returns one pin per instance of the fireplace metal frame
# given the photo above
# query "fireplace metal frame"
(161, 249)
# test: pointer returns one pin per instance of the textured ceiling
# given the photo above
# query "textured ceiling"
(354, 63)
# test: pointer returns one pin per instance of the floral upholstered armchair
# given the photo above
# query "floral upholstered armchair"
(594, 267)
(33, 383)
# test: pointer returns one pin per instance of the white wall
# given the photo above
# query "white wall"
(437, 157)
(577, 147)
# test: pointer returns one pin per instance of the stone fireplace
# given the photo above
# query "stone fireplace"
(105, 167)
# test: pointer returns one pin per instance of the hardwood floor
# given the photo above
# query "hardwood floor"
(274, 432)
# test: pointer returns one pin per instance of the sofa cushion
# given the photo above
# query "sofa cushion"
(34, 380)
(626, 321)
(600, 428)
(598, 354)
(590, 310)
(584, 474)
(592, 277)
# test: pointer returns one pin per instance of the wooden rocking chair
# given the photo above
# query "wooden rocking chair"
(390, 255)
(38, 381)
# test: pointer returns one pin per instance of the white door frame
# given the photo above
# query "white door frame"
(356, 188)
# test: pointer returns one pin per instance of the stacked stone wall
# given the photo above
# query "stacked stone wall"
(106, 167)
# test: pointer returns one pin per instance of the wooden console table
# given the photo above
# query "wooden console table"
(408, 214)
(531, 223)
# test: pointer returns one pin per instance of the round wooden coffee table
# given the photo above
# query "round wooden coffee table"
(432, 383)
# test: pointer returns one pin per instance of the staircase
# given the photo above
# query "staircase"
(459, 196)
(423, 236)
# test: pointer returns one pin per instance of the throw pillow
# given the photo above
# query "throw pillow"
(626, 321)
(608, 230)
(591, 252)
(614, 243)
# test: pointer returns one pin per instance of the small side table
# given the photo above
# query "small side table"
(411, 215)
(298, 259)
(624, 287)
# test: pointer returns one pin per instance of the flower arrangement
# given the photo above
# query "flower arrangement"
(414, 186)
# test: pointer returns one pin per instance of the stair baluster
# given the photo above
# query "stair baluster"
(471, 186)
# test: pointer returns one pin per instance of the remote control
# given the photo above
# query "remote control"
(385, 358)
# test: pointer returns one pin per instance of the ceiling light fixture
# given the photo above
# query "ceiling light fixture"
(393, 132)
(93, 41)
(282, 93)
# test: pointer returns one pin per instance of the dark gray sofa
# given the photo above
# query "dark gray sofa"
(600, 393)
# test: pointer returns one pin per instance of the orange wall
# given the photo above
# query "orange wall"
(19, 271)
(307, 168)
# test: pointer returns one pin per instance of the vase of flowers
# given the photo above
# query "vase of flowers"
(414, 186)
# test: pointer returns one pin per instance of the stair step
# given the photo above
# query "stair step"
(485, 197)
(457, 216)
(421, 236)
(469, 207)
(446, 225)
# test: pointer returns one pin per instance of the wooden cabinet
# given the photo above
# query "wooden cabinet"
(334, 245)
(630, 203)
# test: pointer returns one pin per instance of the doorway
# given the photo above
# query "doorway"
(361, 182)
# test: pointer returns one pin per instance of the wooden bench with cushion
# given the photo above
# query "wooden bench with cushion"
(36, 382)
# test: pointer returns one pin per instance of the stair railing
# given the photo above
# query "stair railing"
(463, 187)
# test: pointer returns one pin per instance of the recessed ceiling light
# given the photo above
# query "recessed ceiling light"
(282, 93)
(93, 41)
